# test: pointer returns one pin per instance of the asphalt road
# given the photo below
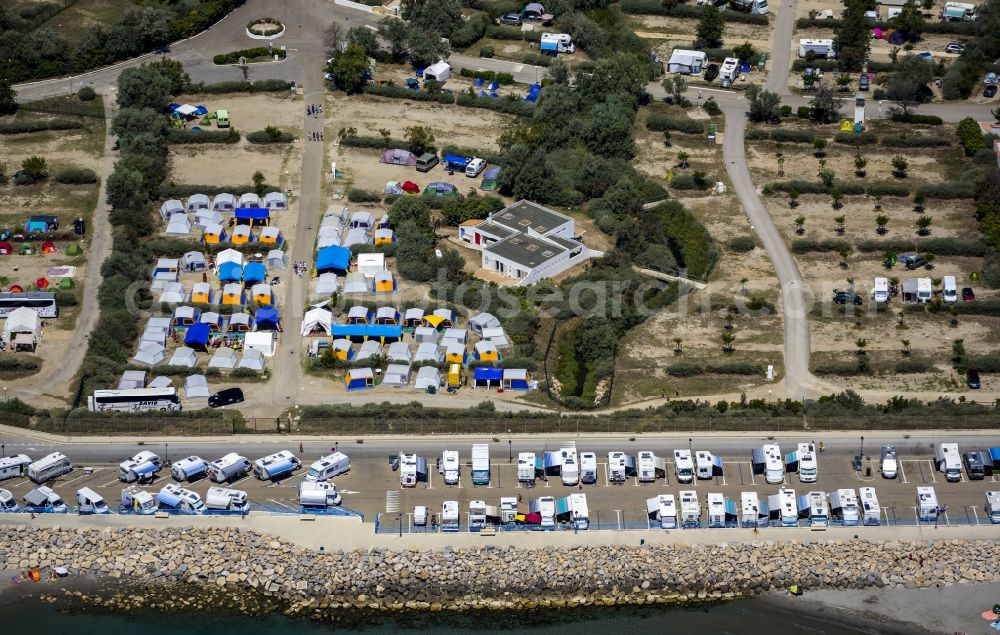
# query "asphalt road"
(781, 37)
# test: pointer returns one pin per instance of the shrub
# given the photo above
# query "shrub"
(76, 175)
(970, 136)
(24, 127)
(233, 57)
(905, 366)
(984, 363)
(914, 141)
(712, 107)
(684, 369)
(888, 189)
(270, 135)
(803, 112)
(243, 373)
(687, 182)
(733, 368)
(954, 189)
(11, 365)
(180, 136)
(356, 195)
(658, 122)
(364, 141)
(945, 246)
(486, 51)
(930, 120)
(802, 245)
(792, 136)
(856, 138)
(86, 93)
(756, 134)
(741, 244)
(533, 59)
(401, 92)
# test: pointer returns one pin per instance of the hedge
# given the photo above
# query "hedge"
(684, 369)
(533, 59)
(931, 26)
(756, 134)
(887, 188)
(183, 190)
(984, 306)
(498, 32)
(955, 189)
(658, 122)
(507, 105)
(688, 239)
(401, 92)
(262, 136)
(687, 182)
(984, 363)
(357, 195)
(914, 141)
(905, 366)
(259, 86)
(38, 125)
(181, 136)
(802, 245)
(844, 369)
(856, 138)
(234, 56)
(76, 176)
(733, 368)
(941, 246)
(363, 141)
(792, 136)
(504, 79)
(655, 7)
(930, 120)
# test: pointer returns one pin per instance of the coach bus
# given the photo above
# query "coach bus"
(134, 400)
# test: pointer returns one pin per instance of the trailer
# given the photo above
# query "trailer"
(651, 467)
(948, 461)
(449, 516)
(508, 509)
(275, 466)
(412, 469)
(621, 466)
(318, 495)
(844, 507)
(753, 511)
(573, 510)
(588, 468)
(526, 469)
(992, 507)
(49, 467)
(767, 461)
(683, 466)
(570, 472)
(138, 501)
(814, 508)
(328, 467)
(978, 464)
(43, 500)
(889, 465)
(870, 509)
(818, 48)
(708, 465)
(229, 468)
(14, 466)
(783, 507)
(927, 504)
(449, 467)
(545, 506)
(662, 509)
(188, 469)
(803, 461)
(226, 499)
(690, 509)
(716, 510)
(141, 467)
(480, 464)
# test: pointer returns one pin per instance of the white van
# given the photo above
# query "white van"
(881, 293)
(90, 502)
(950, 289)
(923, 290)
(14, 466)
(44, 500)
(420, 515)
(50, 467)
(329, 466)
(475, 167)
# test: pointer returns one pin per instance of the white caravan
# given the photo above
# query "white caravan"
(328, 467)
(683, 466)
(450, 468)
(143, 465)
(690, 509)
(49, 467)
(14, 466)
(663, 509)
(526, 469)
(844, 506)
(229, 468)
(870, 509)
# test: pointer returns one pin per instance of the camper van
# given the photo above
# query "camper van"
(449, 467)
(545, 506)
(924, 290)
(889, 465)
(881, 291)
(663, 510)
(43, 500)
(690, 509)
(449, 516)
(570, 473)
(475, 167)
(978, 464)
(818, 509)
(328, 467)
(229, 468)
(222, 118)
(716, 510)
(588, 468)
(927, 504)
(526, 469)
(767, 460)
(992, 506)
(949, 289)
(189, 469)
(753, 511)
(803, 461)
(871, 512)
(225, 499)
(14, 466)
(818, 48)
(729, 71)
(412, 469)
(844, 507)
(508, 509)
(7, 502)
(959, 12)
(142, 466)
(480, 464)
(138, 501)
(650, 467)
(620, 467)
(948, 461)
(708, 465)
(784, 507)
(574, 511)
(49, 467)
(319, 495)
(556, 43)
(683, 466)
(175, 498)
(90, 502)
(420, 516)
(275, 466)
(477, 514)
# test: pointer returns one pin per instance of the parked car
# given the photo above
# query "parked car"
(394, 462)
(711, 72)
(972, 378)
(844, 297)
(328, 77)
(990, 91)
(863, 82)
(915, 262)
(511, 19)
(954, 47)
(990, 79)
(226, 397)
(968, 295)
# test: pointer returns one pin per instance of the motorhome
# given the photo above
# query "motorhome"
(7, 502)
(545, 506)
(475, 167)
(783, 507)
(189, 469)
(817, 508)
(870, 509)
(450, 468)
(328, 467)
(570, 473)
(690, 508)
(275, 466)
(621, 466)
(573, 510)
(803, 461)
(924, 290)
(175, 498)
(992, 506)
(753, 511)
(138, 501)
(716, 510)
(420, 515)
(844, 506)
(508, 509)
(477, 514)
(52, 466)
(588, 468)
(927, 504)
(226, 499)
(526, 469)
(708, 465)
(90, 502)
(229, 468)
(449, 516)
(650, 467)
(889, 465)
(948, 461)
(142, 466)
(683, 466)
(318, 495)
(767, 460)
(729, 71)
(14, 466)
(949, 289)
(978, 464)
(556, 43)
(662, 509)
(958, 12)
(881, 291)
(412, 469)
(45, 501)
(480, 464)
(817, 48)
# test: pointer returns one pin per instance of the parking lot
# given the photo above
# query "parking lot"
(372, 488)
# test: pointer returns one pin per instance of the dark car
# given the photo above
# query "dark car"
(845, 297)
(394, 462)
(226, 397)
(990, 91)
(972, 378)
(916, 262)
(511, 19)
(711, 72)
(863, 82)
(968, 295)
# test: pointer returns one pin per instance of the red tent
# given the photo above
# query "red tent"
(16, 288)
(533, 518)
(42, 283)
(6, 249)
(48, 247)
(410, 187)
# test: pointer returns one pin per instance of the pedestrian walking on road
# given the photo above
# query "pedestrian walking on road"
(300, 448)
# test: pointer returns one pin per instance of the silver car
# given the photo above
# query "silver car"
(955, 47)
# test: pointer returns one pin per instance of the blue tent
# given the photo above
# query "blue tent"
(488, 376)
(267, 318)
(533, 93)
(197, 336)
(253, 273)
(353, 332)
(455, 162)
(251, 215)
(385, 333)
(230, 272)
(333, 259)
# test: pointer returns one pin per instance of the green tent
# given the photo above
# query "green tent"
(27, 249)
(66, 284)
(73, 250)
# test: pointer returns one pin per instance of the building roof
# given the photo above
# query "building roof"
(493, 229)
(525, 250)
(565, 242)
(523, 215)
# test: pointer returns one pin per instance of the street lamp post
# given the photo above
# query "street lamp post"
(166, 453)
(690, 451)
(3, 450)
(861, 452)
(510, 449)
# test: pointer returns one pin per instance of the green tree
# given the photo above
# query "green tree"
(8, 96)
(559, 72)
(459, 210)
(727, 342)
(618, 73)
(710, 28)
(675, 85)
(425, 47)
(908, 85)
(910, 21)
(837, 198)
(800, 225)
(173, 71)
(365, 38)
(859, 165)
(924, 225)
(608, 131)
(764, 104)
(409, 209)
(393, 31)
(880, 222)
(259, 183)
(899, 166)
(844, 253)
(350, 68)
(745, 52)
(143, 87)
(135, 121)
(918, 201)
(437, 16)
(862, 345)
(841, 228)
(683, 160)
(970, 136)
(825, 105)
(419, 139)
(125, 189)
(906, 346)
(35, 167)
(852, 37)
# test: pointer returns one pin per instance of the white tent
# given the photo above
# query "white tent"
(438, 72)
(276, 259)
(160, 382)
(228, 255)
(158, 322)
(173, 293)
(154, 334)
(370, 348)
(423, 334)
(249, 200)
(328, 240)
(194, 261)
(413, 316)
(397, 375)
(132, 379)
(399, 352)
(332, 219)
(356, 236)
(354, 282)
(161, 279)
(196, 202)
(22, 320)
(326, 284)
(483, 321)
(276, 201)
(179, 225)
(263, 341)
(686, 62)
(173, 206)
(206, 217)
(184, 356)
(370, 264)
(427, 377)
(459, 335)
(428, 352)
(224, 358)
(150, 354)
(497, 336)
(254, 360)
(362, 220)
(196, 387)
(224, 202)
(316, 320)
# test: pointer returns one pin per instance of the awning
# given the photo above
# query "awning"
(281, 468)
(168, 499)
(146, 468)
(251, 213)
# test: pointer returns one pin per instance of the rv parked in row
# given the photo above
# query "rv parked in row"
(90, 502)
(49, 467)
(663, 510)
(138, 501)
(927, 504)
(573, 510)
(42, 500)
(477, 514)
(7, 502)
(449, 467)
(275, 466)
(869, 506)
(683, 466)
(14, 466)
(978, 464)
(992, 506)
(189, 469)
(449, 516)
(508, 509)
(545, 507)
(318, 495)
(948, 461)
(889, 464)
(803, 461)
(767, 460)
(650, 467)
(225, 499)
(141, 467)
(229, 468)
(526, 469)
(481, 464)
(175, 498)
(844, 506)
(708, 465)
(420, 515)
(753, 511)
(328, 467)
(412, 469)
(621, 467)
(570, 472)
(881, 291)
(784, 507)
(588, 468)
(716, 504)
(690, 509)
(815, 508)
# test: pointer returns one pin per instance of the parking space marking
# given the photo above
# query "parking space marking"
(92, 474)
(110, 483)
(430, 477)
(276, 502)
(930, 465)
(902, 473)
(607, 480)
(237, 482)
(974, 513)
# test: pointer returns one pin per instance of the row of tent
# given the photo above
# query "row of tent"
(356, 282)
(158, 329)
(195, 386)
(46, 247)
(153, 354)
(429, 378)
(274, 201)
(231, 294)
(453, 353)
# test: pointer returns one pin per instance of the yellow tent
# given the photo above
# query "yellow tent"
(262, 294)
(242, 234)
(232, 294)
(487, 352)
(270, 236)
(201, 293)
(384, 237)
(214, 234)
(433, 321)
(385, 282)
(455, 375)
(455, 354)
(342, 350)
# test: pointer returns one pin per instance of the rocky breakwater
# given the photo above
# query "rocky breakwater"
(309, 583)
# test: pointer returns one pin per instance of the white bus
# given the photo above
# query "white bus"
(134, 400)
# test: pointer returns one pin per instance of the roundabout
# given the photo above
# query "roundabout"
(265, 29)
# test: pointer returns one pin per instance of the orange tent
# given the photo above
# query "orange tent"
(16, 288)
(48, 247)
(42, 283)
